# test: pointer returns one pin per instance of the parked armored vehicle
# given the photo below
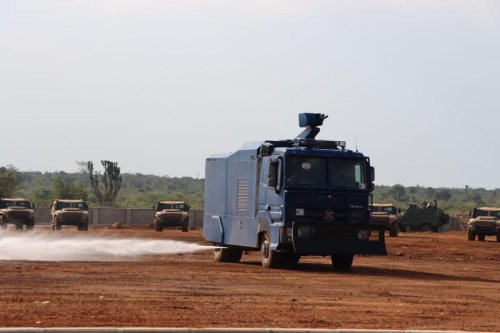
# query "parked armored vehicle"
(69, 212)
(423, 219)
(386, 215)
(17, 211)
(172, 214)
(484, 221)
(291, 198)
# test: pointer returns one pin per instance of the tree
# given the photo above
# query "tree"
(10, 179)
(82, 167)
(64, 190)
(397, 192)
(107, 185)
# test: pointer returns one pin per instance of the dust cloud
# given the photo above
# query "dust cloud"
(57, 247)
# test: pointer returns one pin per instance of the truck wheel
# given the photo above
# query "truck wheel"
(342, 262)
(290, 258)
(425, 228)
(222, 254)
(470, 235)
(3, 222)
(481, 238)
(268, 257)
(185, 225)
(393, 230)
(19, 225)
(498, 236)
(158, 225)
(57, 223)
(435, 229)
(236, 254)
(30, 225)
(84, 226)
(401, 227)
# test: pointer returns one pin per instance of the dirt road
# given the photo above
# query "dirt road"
(428, 281)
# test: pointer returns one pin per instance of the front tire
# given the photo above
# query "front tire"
(158, 225)
(425, 228)
(269, 258)
(481, 238)
(393, 230)
(470, 235)
(185, 225)
(342, 262)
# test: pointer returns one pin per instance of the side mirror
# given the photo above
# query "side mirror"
(372, 174)
(272, 172)
(271, 181)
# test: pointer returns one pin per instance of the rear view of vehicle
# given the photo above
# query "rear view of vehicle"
(18, 212)
(484, 221)
(69, 212)
(172, 214)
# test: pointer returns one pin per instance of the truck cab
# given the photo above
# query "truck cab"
(291, 198)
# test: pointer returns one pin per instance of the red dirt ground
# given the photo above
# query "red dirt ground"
(428, 281)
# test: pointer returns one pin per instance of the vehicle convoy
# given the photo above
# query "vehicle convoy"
(423, 219)
(386, 215)
(171, 214)
(484, 221)
(16, 211)
(69, 212)
(291, 198)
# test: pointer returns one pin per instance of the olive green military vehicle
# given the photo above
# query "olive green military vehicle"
(484, 221)
(387, 215)
(69, 212)
(423, 219)
(16, 211)
(172, 214)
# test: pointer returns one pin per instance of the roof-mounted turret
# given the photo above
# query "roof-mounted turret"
(307, 138)
(312, 121)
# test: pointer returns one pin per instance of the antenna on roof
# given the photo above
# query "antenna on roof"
(356, 144)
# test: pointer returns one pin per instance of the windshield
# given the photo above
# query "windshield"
(317, 171)
(5, 204)
(62, 205)
(181, 206)
(479, 212)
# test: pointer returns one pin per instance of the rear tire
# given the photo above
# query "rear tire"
(470, 235)
(481, 238)
(226, 254)
(269, 258)
(342, 262)
(498, 236)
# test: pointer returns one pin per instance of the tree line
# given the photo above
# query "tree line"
(110, 187)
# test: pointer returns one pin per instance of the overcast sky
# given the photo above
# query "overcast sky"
(158, 86)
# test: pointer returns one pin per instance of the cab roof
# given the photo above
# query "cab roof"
(488, 208)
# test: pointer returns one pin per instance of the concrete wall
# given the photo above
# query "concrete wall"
(127, 216)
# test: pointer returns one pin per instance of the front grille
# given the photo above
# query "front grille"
(321, 214)
(19, 215)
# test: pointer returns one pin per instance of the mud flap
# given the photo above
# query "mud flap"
(317, 238)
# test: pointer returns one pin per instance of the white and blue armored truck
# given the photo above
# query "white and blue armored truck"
(291, 198)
